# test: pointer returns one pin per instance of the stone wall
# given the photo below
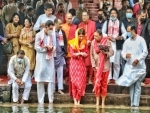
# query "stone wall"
(5, 93)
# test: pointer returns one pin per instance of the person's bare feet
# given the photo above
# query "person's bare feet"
(142, 84)
(80, 105)
(61, 92)
(75, 102)
(22, 101)
(103, 105)
(50, 103)
(78, 102)
(97, 103)
(16, 102)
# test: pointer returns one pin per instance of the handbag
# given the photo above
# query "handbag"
(8, 47)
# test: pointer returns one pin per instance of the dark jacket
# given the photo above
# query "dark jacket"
(76, 21)
(1, 34)
(145, 33)
(126, 22)
(122, 13)
(40, 10)
(99, 25)
(64, 48)
(22, 17)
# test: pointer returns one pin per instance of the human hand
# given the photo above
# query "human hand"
(22, 83)
(83, 54)
(49, 48)
(111, 38)
(128, 55)
(78, 54)
(88, 42)
(95, 68)
(136, 61)
(4, 40)
(119, 38)
(104, 52)
(15, 35)
(42, 25)
(18, 81)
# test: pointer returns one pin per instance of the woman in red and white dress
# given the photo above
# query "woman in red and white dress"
(78, 51)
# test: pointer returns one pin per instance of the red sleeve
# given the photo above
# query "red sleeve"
(136, 8)
(93, 29)
(72, 52)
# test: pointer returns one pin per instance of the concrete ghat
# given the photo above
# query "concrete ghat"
(89, 98)
(5, 92)
(116, 95)
(68, 106)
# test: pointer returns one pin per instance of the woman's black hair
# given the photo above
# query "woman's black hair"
(28, 20)
(15, 14)
(145, 5)
(81, 31)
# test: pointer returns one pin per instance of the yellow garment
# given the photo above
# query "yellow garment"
(66, 28)
(11, 29)
(26, 37)
(74, 43)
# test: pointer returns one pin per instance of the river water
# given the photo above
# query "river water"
(65, 108)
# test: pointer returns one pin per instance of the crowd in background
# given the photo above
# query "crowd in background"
(76, 56)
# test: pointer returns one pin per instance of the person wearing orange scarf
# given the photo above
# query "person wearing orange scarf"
(101, 64)
(77, 68)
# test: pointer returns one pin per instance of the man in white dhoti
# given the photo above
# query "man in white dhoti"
(134, 52)
(44, 69)
(18, 69)
(116, 32)
(42, 19)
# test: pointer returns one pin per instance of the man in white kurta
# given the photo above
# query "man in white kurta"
(42, 19)
(18, 69)
(116, 32)
(134, 52)
(44, 69)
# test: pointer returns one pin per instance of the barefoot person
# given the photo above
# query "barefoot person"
(78, 51)
(18, 70)
(44, 69)
(101, 65)
(134, 52)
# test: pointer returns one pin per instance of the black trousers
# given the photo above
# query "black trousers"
(1, 52)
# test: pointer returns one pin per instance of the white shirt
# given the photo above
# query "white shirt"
(42, 19)
(11, 72)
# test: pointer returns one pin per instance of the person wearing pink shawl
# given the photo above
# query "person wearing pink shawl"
(101, 64)
(45, 45)
(116, 33)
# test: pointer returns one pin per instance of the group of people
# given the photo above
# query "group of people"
(82, 48)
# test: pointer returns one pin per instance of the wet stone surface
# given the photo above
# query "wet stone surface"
(5, 91)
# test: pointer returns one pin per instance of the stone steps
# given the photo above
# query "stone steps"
(115, 96)
(89, 98)
(114, 89)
